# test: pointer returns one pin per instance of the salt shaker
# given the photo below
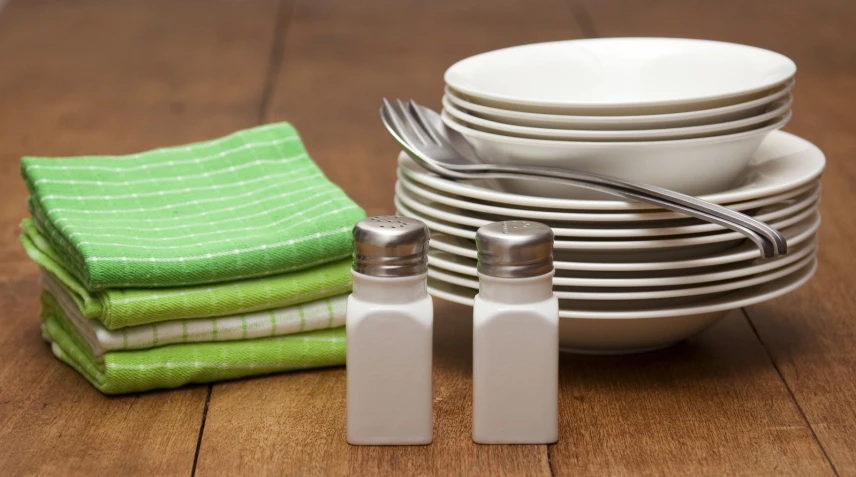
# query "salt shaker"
(389, 324)
(515, 336)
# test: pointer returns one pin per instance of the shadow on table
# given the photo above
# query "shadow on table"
(729, 350)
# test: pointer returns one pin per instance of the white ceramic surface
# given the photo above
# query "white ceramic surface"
(783, 162)
(693, 166)
(611, 123)
(608, 219)
(677, 278)
(746, 251)
(455, 215)
(775, 110)
(515, 378)
(389, 386)
(616, 246)
(618, 332)
(639, 75)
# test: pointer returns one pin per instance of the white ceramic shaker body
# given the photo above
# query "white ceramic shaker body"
(389, 325)
(515, 337)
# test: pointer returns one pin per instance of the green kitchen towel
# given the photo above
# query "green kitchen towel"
(175, 365)
(316, 315)
(246, 205)
(119, 308)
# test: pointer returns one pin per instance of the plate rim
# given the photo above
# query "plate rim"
(599, 245)
(808, 198)
(630, 216)
(807, 152)
(751, 253)
(801, 277)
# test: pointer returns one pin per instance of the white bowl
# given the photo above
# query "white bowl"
(611, 123)
(642, 329)
(693, 166)
(631, 75)
(772, 111)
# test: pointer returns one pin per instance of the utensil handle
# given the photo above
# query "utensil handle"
(763, 244)
(689, 202)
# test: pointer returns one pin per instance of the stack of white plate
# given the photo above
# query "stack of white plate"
(629, 277)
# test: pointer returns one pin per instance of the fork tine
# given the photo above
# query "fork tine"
(404, 130)
(416, 111)
(413, 122)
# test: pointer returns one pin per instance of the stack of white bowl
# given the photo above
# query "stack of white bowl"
(694, 116)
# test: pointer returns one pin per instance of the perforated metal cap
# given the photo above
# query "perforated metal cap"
(390, 246)
(515, 249)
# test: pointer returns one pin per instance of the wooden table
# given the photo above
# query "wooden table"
(769, 390)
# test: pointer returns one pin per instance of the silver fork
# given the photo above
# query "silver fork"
(440, 134)
(438, 153)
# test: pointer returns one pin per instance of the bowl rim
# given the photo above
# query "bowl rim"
(789, 68)
(450, 122)
(776, 109)
(454, 97)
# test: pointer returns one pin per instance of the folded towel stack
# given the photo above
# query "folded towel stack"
(212, 261)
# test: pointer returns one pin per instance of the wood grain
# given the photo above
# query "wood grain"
(770, 395)
(340, 60)
(107, 77)
(713, 405)
(809, 334)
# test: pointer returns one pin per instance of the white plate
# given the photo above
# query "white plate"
(612, 123)
(643, 75)
(462, 217)
(783, 162)
(611, 298)
(770, 113)
(467, 267)
(614, 246)
(598, 332)
(638, 219)
(693, 166)
(795, 234)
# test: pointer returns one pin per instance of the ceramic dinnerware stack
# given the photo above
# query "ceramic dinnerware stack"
(681, 114)
(694, 116)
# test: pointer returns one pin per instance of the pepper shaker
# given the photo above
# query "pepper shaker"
(515, 336)
(389, 324)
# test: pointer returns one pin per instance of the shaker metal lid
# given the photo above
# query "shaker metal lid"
(390, 246)
(515, 249)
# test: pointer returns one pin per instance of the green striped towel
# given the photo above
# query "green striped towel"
(119, 372)
(316, 315)
(249, 204)
(120, 308)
